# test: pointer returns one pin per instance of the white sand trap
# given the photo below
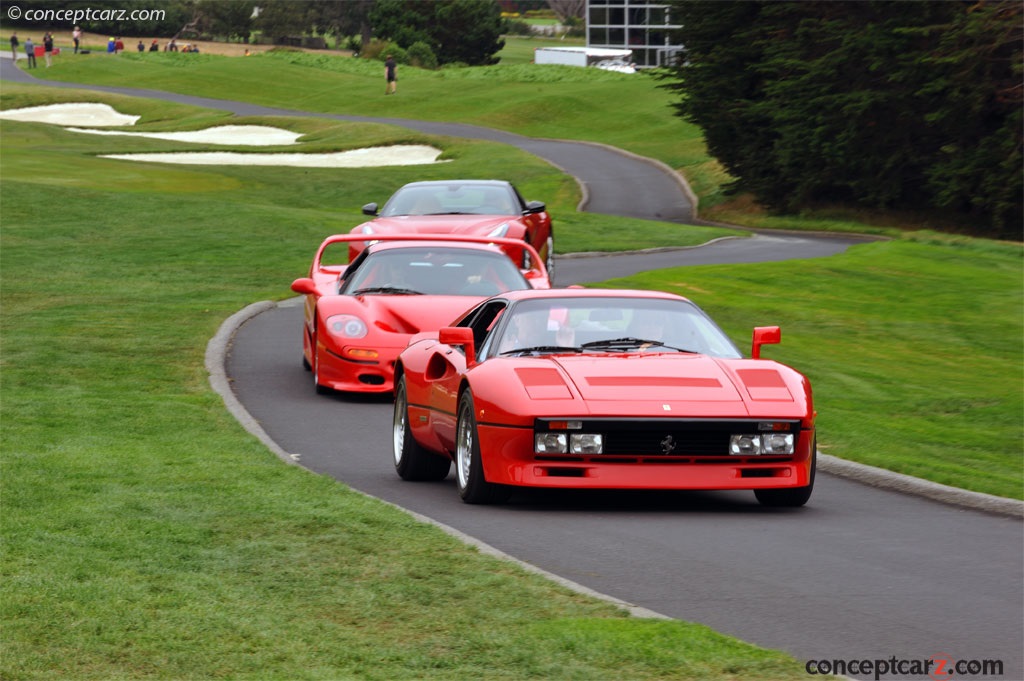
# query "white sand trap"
(239, 135)
(97, 115)
(396, 155)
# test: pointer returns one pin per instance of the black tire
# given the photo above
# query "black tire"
(795, 496)
(315, 368)
(412, 462)
(549, 262)
(469, 469)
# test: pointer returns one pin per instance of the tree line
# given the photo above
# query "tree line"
(447, 31)
(907, 105)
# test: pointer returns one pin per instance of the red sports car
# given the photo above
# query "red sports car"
(478, 207)
(600, 389)
(360, 315)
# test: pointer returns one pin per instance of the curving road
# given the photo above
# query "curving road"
(860, 573)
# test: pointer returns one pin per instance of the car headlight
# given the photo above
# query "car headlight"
(565, 443)
(769, 444)
(550, 443)
(346, 326)
(586, 443)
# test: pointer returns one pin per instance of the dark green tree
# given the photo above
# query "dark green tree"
(977, 69)
(464, 31)
(280, 19)
(227, 18)
(882, 104)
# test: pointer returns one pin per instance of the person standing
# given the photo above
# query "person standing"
(76, 37)
(14, 46)
(48, 47)
(390, 76)
(30, 51)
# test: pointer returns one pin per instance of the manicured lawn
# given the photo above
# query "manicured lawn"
(148, 536)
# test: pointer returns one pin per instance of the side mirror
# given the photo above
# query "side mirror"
(764, 335)
(534, 207)
(305, 285)
(370, 209)
(459, 335)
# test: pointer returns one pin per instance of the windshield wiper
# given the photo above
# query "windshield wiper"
(541, 348)
(629, 343)
(396, 290)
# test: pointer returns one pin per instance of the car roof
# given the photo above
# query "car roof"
(472, 183)
(584, 293)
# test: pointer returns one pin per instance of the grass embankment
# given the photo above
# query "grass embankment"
(147, 535)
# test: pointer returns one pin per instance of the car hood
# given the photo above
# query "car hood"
(479, 225)
(400, 314)
(672, 384)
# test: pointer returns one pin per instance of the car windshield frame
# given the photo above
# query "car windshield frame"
(433, 270)
(606, 325)
(454, 198)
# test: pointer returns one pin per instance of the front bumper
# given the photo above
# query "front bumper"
(509, 459)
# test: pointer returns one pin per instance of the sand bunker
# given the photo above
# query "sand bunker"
(237, 135)
(70, 114)
(96, 115)
(397, 155)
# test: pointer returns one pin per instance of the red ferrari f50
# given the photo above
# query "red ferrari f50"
(360, 315)
(600, 389)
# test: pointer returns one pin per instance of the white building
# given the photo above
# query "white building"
(638, 25)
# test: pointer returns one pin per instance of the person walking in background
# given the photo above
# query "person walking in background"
(154, 46)
(390, 76)
(76, 37)
(30, 51)
(14, 46)
(48, 47)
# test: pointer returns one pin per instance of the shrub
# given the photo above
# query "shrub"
(420, 54)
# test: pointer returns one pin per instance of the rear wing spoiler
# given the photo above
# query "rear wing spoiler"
(504, 242)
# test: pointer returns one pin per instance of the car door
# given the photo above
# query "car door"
(447, 367)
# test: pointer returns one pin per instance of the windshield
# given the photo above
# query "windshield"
(452, 199)
(610, 324)
(434, 271)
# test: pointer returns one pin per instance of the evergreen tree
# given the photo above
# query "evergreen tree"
(463, 31)
(883, 104)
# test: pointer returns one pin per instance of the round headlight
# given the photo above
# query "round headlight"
(346, 326)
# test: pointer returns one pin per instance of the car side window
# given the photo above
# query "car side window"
(483, 325)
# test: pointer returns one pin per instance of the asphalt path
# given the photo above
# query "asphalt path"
(860, 573)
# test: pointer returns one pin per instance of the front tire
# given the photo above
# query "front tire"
(469, 473)
(793, 497)
(412, 462)
(315, 368)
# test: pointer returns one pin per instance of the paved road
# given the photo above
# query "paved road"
(859, 573)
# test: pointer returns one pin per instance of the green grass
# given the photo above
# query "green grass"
(626, 111)
(147, 536)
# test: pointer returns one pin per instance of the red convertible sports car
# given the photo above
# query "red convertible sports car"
(478, 207)
(360, 315)
(600, 389)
